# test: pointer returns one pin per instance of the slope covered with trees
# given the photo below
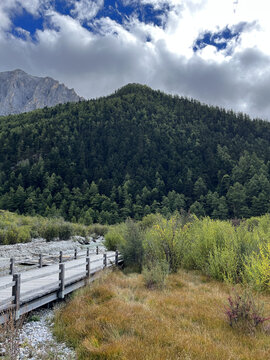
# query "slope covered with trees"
(135, 152)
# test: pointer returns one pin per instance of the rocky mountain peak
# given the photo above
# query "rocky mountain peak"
(21, 92)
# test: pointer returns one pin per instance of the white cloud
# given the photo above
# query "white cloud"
(85, 9)
(97, 63)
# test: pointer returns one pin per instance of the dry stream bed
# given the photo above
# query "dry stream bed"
(34, 338)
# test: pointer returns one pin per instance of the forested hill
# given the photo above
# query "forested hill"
(132, 153)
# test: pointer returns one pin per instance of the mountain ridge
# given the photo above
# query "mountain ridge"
(21, 92)
(134, 152)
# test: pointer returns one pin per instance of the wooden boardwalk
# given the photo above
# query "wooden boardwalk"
(28, 290)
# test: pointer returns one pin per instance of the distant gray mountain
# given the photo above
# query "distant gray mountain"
(21, 92)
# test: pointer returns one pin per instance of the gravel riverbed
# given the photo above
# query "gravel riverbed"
(34, 340)
(31, 250)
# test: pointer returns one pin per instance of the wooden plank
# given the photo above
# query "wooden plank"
(6, 301)
(34, 286)
(40, 261)
(16, 292)
(40, 276)
(11, 267)
(75, 266)
(76, 277)
(88, 265)
(31, 305)
(6, 307)
(8, 285)
(62, 281)
(43, 290)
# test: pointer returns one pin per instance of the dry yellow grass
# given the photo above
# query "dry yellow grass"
(118, 318)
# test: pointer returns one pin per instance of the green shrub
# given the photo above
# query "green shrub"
(3, 239)
(155, 275)
(81, 230)
(50, 231)
(223, 264)
(16, 228)
(35, 232)
(150, 220)
(257, 268)
(65, 230)
(131, 248)
(113, 240)
(33, 318)
(18, 235)
(98, 229)
(166, 242)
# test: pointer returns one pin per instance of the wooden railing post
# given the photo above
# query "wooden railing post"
(61, 293)
(88, 267)
(11, 266)
(16, 292)
(116, 257)
(75, 254)
(40, 261)
(61, 257)
(97, 251)
(87, 252)
(105, 260)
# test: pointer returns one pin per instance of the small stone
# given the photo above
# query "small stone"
(2, 352)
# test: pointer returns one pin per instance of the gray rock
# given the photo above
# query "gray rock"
(21, 92)
(81, 240)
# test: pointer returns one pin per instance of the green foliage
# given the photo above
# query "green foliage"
(165, 241)
(17, 228)
(132, 248)
(155, 275)
(212, 247)
(65, 230)
(257, 268)
(14, 229)
(231, 251)
(50, 231)
(83, 162)
(18, 235)
(33, 318)
(98, 229)
(149, 220)
(224, 263)
(114, 238)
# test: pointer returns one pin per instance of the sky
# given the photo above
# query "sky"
(216, 51)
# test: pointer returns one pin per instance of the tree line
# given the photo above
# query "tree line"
(133, 153)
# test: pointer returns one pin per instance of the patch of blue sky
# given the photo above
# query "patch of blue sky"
(27, 22)
(218, 39)
(62, 7)
(120, 12)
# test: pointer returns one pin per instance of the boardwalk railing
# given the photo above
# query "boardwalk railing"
(26, 291)
(47, 260)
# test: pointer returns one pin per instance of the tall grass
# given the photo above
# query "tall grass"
(119, 318)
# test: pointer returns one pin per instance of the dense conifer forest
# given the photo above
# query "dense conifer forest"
(136, 152)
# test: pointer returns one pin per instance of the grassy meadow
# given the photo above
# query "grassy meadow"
(192, 289)
(120, 318)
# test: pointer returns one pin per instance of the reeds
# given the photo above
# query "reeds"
(119, 318)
